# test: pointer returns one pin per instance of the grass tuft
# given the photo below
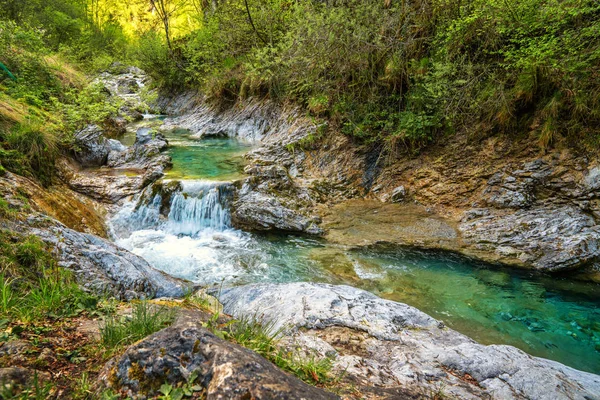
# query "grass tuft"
(144, 320)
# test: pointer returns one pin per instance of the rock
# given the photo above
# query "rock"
(143, 135)
(224, 370)
(548, 238)
(103, 267)
(144, 154)
(115, 126)
(110, 186)
(591, 181)
(248, 122)
(144, 157)
(16, 378)
(15, 350)
(260, 212)
(92, 147)
(128, 86)
(398, 194)
(383, 344)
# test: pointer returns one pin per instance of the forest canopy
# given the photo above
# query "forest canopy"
(402, 73)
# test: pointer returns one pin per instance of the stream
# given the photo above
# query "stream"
(546, 316)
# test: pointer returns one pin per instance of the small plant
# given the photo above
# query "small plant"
(83, 387)
(318, 104)
(196, 300)
(7, 296)
(188, 389)
(262, 338)
(143, 321)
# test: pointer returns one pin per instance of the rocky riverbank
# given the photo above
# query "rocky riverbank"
(500, 199)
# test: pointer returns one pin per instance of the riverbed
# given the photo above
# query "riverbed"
(546, 316)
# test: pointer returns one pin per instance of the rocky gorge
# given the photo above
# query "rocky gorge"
(495, 202)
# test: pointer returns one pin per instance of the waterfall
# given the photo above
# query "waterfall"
(207, 209)
(185, 208)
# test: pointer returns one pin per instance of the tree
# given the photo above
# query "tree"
(166, 10)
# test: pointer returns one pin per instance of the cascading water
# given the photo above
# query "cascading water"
(207, 208)
(186, 231)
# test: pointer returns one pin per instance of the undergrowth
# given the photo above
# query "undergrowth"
(33, 287)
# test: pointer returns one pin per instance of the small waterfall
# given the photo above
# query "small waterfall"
(208, 209)
(179, 208)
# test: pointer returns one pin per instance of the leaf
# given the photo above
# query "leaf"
(166, 389)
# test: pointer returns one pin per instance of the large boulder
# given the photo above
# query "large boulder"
(92, 147)
(132, 168)
(260, 212)
(381, 345)
(224, 370)
(145, 153)
(101, 266)
(546, 237)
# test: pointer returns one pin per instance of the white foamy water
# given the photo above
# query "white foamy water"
(194, 240)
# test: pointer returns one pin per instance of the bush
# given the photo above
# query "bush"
(29, 148)
(404, 72)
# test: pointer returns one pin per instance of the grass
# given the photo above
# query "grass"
(263, 339)
(144, 320)
(32, 286)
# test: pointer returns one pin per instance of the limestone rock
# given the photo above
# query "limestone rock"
(262, 212)
(15, 378)
(103, 267)
(110, 185)
(224, 370)
(92, 147)
(547, 237)
(398, 194)
(144, 154)
(398, 345)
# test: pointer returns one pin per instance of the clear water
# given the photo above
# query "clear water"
(549, 317)
(209, 158)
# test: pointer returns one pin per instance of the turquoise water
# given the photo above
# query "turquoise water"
(550, 317)
(208, 158)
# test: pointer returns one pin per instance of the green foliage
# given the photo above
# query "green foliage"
(187, 389)
(405, 72)
(92, 105)
(29, 148)
(144, 320)
(32, 286)
(262, 338)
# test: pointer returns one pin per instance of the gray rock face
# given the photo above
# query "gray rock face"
(110, 186)
(383, 344)
(144, 157)
(103, 267)
(143, 154)
(548, 238)
(224, 370)
(261, 212)
(250, 122)
(93, 147)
